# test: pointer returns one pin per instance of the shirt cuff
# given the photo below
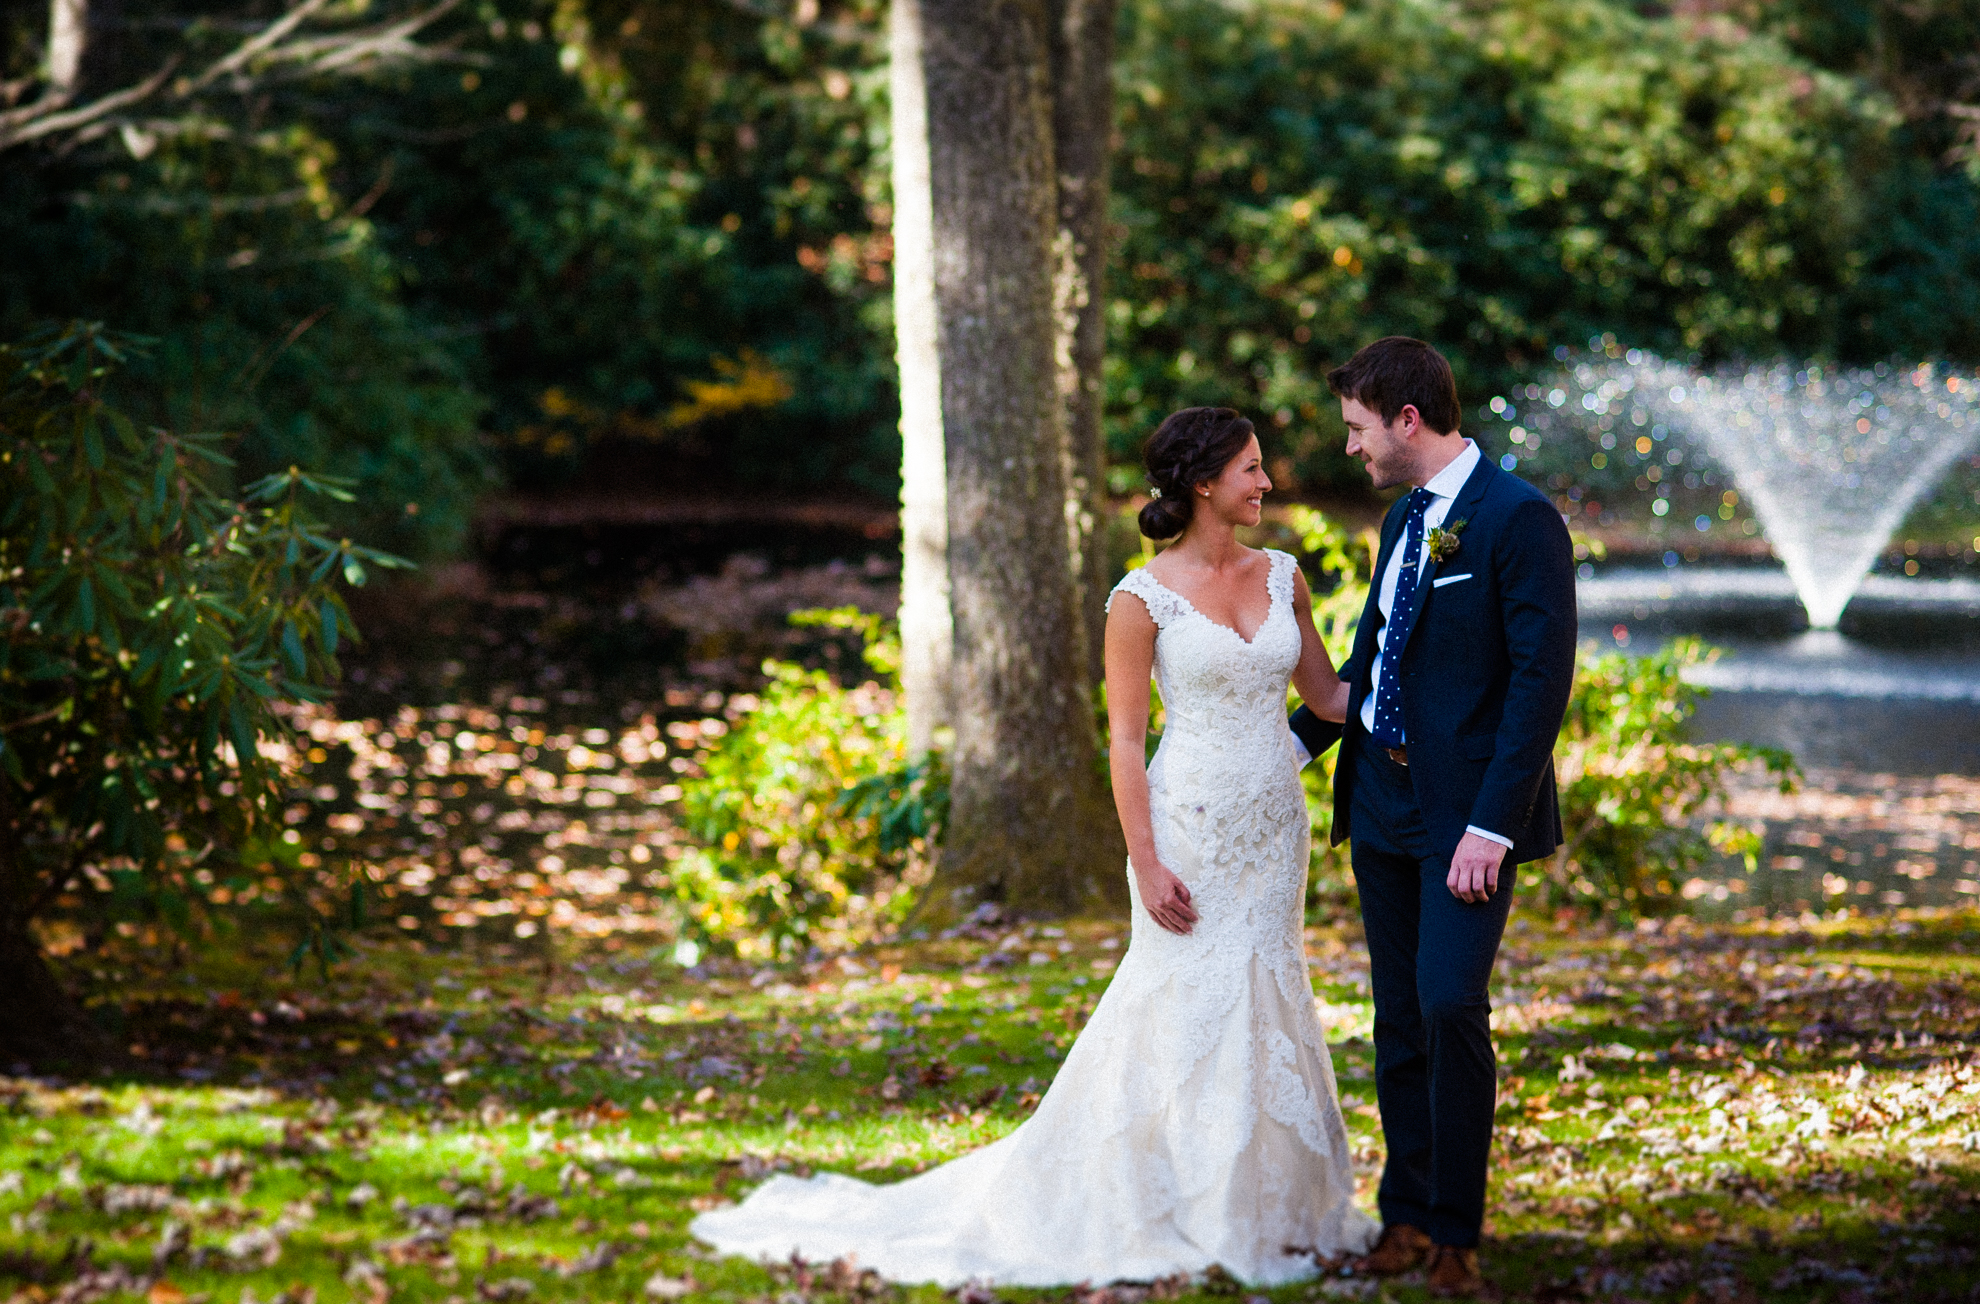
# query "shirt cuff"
(1489, 837)
(1304, 757)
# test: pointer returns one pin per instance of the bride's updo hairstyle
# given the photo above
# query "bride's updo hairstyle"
(1192, 446)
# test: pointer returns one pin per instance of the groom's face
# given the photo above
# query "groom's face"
(1383, 446)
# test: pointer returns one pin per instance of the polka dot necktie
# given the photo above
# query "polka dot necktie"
(1388, 729)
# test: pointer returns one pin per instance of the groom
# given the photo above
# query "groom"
(1445, 782)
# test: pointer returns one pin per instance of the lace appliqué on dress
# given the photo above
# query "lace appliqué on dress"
(1165, 607)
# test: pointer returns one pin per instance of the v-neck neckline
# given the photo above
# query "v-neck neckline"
(1271, 603)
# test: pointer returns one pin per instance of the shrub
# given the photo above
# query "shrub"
(149, 624)
(1339, 566)
(814, 827)
(1633, 790)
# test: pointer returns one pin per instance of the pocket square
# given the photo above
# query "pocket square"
(1442, 580)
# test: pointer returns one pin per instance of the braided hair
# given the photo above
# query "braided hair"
(1191, 446)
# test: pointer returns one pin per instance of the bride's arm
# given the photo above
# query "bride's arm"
(1314, 678)
(1130, 660)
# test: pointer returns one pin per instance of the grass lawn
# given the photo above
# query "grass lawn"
(1690, 1114)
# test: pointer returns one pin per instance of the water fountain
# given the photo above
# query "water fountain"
(1651, 456)
(1831, 460)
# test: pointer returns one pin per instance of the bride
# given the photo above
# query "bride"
(1195, 1120)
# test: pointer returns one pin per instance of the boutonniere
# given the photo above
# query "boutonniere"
(1442, 542)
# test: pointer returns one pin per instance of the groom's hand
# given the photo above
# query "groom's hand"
(1474, 872)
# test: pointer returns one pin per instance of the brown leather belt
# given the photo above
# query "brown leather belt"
(1400, 755)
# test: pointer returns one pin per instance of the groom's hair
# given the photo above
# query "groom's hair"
(1397, 371)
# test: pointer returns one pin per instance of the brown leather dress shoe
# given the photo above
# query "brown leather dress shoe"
(1401, 1248)
(1454, 1273)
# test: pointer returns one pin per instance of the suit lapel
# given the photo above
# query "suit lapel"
(1463, 507)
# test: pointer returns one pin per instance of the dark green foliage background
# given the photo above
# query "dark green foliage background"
(1502, 179)
(384, 277)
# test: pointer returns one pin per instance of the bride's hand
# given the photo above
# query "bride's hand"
(1166, 898)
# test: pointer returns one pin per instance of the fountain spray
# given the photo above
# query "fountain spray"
(1831, 459)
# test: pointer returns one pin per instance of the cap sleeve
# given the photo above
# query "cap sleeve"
(1164, 607)
(1279, 580)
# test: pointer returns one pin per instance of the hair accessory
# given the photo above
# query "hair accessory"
(1155, 492)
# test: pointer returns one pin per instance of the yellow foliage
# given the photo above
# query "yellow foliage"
(747, 382)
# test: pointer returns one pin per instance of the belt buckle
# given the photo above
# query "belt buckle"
(1400, 755)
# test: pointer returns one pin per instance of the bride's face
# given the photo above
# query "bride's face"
(1237, 495)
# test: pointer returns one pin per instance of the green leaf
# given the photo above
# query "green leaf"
(240, 731)
(292, 648)
(161, 485)
(353, 572)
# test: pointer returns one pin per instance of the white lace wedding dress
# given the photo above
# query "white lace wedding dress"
(1195, 1120)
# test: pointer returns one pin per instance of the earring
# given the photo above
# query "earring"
(1204, 492)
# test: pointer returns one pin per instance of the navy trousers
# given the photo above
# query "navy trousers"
(1430, 957)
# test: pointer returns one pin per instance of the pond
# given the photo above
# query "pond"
(1883, 714)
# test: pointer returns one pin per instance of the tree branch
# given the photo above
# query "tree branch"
(392, 39)
(332, 54)
(254, 45)
(43, 118)
(49, 714)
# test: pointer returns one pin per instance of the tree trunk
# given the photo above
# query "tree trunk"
(40, 1024)
(68, 40)
(1082, 137)
(926, 634)
(1029, 823)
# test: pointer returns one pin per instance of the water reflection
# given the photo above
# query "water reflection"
(1883, 714)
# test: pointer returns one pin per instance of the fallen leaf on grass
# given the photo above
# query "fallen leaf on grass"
(367, 1281)
(174, 1239)
(752, 1168)
(596, 1259)
(257, 1246)
(432, 1247)
(119, 1199)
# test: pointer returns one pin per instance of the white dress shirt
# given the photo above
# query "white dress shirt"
(1444, 487)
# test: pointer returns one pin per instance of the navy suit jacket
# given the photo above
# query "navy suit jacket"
(1486, 670)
